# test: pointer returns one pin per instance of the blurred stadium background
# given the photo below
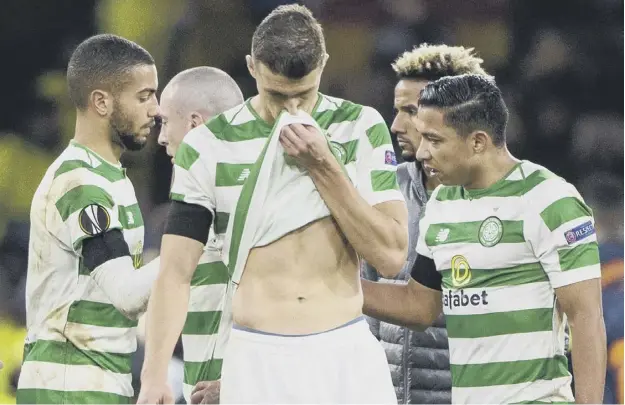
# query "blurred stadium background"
(558, 63)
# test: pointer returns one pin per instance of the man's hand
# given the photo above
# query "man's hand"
(305, 144)
(155, 394)
(206, 392)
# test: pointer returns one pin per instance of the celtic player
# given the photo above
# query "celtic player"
(83, 291)
(299, 299)
(508, 251)
(188, 101)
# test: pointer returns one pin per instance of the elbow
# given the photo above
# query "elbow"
(591, 319)
(394, 261)
(423, 320)
(132, 307)
(400, 252)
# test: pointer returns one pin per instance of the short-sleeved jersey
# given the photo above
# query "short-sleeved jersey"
(214, 161)
(79, 346)
(501, 252)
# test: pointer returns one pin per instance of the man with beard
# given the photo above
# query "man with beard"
(84, 291)
(423, 356)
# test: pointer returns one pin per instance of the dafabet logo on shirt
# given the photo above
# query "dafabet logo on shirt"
(460, 271)
(461, 276)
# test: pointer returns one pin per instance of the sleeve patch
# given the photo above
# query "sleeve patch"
(390, 158)
(94, 219)
(579, 232)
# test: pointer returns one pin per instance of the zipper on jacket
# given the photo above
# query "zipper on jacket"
(405, 359)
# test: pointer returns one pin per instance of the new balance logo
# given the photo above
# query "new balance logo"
(244, 175)
(442, 235)
(131, 218)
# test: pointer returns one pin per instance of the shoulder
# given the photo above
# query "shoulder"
(79, 171)
(542, 188)
(334, 110)
(234, 116)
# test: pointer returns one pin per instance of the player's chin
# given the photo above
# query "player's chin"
(445, 181)
(142, 139)
(136, 143)
(408, 155)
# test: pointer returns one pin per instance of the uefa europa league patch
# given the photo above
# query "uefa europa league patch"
(94, 219)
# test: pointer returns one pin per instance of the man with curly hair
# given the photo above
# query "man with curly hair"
(419, 361)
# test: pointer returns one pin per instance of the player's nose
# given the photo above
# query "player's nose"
(397, 126)
(155, 109)
(162, 137)
(292, 106)
(423, 153)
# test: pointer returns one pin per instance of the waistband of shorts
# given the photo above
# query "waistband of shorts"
(347, 329)
(251, 330)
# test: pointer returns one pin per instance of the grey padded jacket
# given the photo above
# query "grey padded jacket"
(419, 361)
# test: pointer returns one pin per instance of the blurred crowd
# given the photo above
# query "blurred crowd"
(558, 63)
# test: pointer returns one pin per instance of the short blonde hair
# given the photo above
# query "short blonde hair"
(431, 62)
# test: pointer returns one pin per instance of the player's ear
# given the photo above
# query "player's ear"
(196, 120)
(325, 60)
(249, 61)
(101, 101)
(478, 141)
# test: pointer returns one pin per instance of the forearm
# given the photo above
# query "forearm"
(168, 305)
(127, 289)
(165, 319)
(394, 304)
(379, 239)
(589, 358)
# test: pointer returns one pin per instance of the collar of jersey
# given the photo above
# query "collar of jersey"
(484, 192)
(117, 166)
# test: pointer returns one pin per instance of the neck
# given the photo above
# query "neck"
(96, 136)
(493, 169)
(261, 110)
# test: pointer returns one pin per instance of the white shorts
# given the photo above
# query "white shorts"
(344, 365)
